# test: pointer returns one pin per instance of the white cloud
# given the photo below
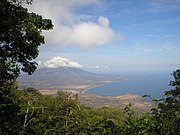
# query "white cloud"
(61, 62)
(69, 29)
(103, 21)
(84, 34)
(90, 34)
(97, 67)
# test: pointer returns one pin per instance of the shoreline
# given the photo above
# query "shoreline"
(80, 91)
(91, 87)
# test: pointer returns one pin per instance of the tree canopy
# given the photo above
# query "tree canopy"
(20, 37)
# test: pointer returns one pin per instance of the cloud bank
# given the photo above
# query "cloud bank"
(70, 27)
(86, 35)
(61, 62)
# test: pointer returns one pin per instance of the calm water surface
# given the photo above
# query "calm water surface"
(153, 84)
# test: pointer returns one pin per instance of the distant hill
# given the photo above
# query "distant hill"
(61, 77)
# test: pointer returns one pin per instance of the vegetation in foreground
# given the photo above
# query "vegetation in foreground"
(28, 112)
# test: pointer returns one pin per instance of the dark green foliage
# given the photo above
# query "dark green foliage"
(62, 114)
(20, 37)
(47, 114)
(167, 114)
(9, 109)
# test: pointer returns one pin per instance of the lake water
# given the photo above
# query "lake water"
(153, 84)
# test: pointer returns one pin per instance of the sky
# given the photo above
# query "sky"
(111, 36)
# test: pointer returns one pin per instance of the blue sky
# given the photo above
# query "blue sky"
(111, 35)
